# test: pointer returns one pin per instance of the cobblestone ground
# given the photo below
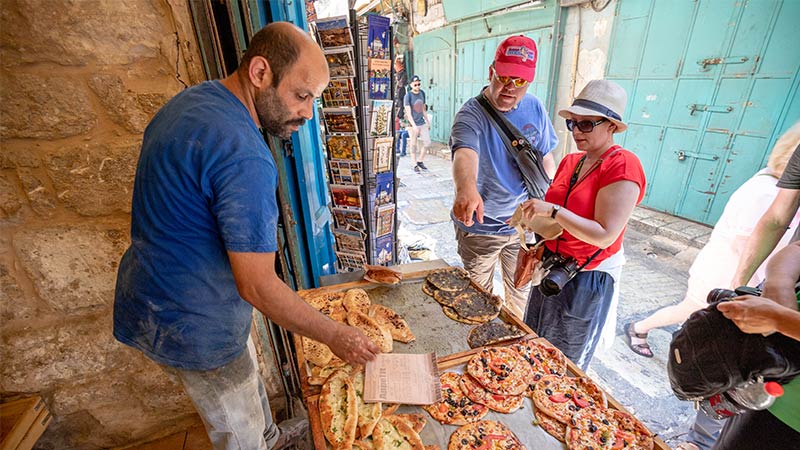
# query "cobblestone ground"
(655, 276)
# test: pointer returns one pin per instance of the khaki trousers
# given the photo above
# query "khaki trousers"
(480, 252)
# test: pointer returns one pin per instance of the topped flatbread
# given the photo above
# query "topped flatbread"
(492, 333)
(356, 300)
(500, 370)
(478, 306)
(455, 279)
(368, 413)
(392, 433)
(382, 275)
(390, 320)
(455, 408)
(338, 410)
(485, 434)
(553, 427)
(376, 333)
(501, 403)
(451, 313)
(447, 298)
(543, 358)
(634, 434)
(316, 353)
(560, 397)
(593, 428)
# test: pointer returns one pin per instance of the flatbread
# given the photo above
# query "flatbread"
(553, 427)
(478, 306)
(593, 428)
(390, 320)
(543, 358)
(447, 298)
(368, 413)
(338, 410)
(485, 434)
(560, 397)
(324, 302)
(452, 314)
(392, 433)
(377, 334)
(320, 374)
(316, 353)
(501, 403)
(429, 289)
(382, 275)
(455, 408)
(455, 279)
(500, 370)
(629, 425)
(356, 300)
(417, 421)
(492, 333)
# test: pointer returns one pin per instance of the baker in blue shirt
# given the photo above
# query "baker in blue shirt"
(204, 237)
(488, 182)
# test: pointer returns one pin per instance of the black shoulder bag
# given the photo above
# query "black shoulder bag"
(528, 158)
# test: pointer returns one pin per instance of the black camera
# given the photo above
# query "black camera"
(722, 295)
(560, 269)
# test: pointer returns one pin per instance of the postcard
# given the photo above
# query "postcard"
(384, 188)
(345, 171)
(340, 120)
(349, 218)
(380, 84)
(346, 195)
(378, 37)
(339, 94)
(344, 147)
(351, 260)
(383, 249)
(382, 154)
(334, 32)
(381, 123)
(349, 240)
(385, 220)
(340, 63)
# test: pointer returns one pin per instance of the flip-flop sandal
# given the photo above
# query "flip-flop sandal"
(639, 349)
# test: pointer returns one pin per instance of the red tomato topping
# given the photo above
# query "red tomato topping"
(558, 398)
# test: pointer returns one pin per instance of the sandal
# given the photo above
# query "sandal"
(642, 349)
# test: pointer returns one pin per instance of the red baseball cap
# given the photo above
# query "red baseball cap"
(516, 57)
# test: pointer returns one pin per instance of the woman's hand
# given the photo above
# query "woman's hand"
(752, 314)
(535, 207)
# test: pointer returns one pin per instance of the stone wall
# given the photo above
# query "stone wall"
(79, 81)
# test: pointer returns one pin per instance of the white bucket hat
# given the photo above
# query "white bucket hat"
(600, 98)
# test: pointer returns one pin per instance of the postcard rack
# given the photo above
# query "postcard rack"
(358, 117)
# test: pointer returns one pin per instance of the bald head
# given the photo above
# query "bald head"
(282, 44)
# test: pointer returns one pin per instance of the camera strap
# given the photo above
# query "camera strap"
(575, 179)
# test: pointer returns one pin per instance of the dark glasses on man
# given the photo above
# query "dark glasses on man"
(585, 126)
(517, 82)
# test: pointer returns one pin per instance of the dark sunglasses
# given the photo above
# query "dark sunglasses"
(585, 126)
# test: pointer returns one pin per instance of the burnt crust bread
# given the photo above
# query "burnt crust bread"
(338, 410)
(478, 306)
(454, 279)
(492, 333)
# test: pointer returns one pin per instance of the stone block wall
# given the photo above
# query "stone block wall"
(79, 81)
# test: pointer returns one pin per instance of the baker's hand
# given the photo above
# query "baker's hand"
(467, 202)
(535, 207)
(752, 314)
(352, 345)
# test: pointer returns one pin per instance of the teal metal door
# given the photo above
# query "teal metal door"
(438, 68)
(710, 86)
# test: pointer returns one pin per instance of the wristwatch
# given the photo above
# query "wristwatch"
(555, 211)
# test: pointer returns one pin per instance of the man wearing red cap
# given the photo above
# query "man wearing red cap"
(488, 181)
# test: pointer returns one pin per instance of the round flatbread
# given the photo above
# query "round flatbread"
(455, 408)
(553, 427)
(560, 397)
(452, 314)
(356, 300)
(500, 370)
(447, 298)
(501, 403)
(485, 434)
(593, 428)
(492, 333)
(634, 434)
(476, 305)
(429, 289)
(455, 279)
(544, 359)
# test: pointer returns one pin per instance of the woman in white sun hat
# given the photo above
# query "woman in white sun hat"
(592, 197)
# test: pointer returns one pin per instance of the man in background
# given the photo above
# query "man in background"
(417, 115)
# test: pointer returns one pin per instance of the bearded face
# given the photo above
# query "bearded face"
(274, 115)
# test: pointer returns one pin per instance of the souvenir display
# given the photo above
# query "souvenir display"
(334, 32)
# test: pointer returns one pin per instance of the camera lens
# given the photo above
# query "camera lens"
(718, 295)
(554, 281)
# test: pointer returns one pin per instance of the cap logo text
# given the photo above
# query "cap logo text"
(521, 52)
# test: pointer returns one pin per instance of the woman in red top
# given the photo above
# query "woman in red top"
(592, 197)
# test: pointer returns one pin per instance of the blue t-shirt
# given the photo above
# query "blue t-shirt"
(500, 182)
(205, 184)
(417, 104)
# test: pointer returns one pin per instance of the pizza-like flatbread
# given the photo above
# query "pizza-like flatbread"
(376, 333)
(634, 434)
(390, 320)
(478, 394)
(338, 410)
(492, 333)
(500, 370)
(553, 427)
(543, 358)
(368, 413)
(476, 305)
(356, 300)
(392, 433)
(455, 408)
(454, 279)
(452, 314)
(560, 397)
(316, 353)
(592, 428)
(485, 434)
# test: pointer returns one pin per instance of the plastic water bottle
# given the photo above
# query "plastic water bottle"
(753, 395)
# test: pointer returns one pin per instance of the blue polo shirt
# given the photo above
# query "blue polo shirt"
(500, 182)
(205, 184)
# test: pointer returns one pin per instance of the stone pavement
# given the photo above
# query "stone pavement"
(659, 249)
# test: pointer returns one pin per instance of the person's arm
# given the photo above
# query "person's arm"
(549, 164)
(409, 117)
(465, 179)
(425, 114)
(260, 286)
(783, 271)
(613, 207)
(762, 315)
(768, 232)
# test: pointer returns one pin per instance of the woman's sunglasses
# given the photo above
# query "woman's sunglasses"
(517, 82)
(585, 126)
